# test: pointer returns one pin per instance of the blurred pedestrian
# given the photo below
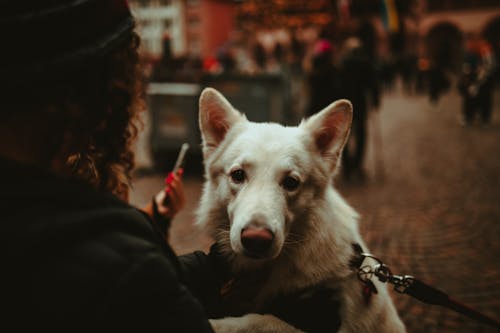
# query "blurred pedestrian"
(75, 256)
(225, 57)
(165, 68)
(324, 78)
(408, 71)
(297, 78)
(360, 86)
(438, 82)
(476, 81)
(296, 55)
(259, 55)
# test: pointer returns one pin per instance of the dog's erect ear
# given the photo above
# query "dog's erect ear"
(330, 129)
(216, 117)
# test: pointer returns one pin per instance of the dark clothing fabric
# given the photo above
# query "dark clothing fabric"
(205, 276)
(359, 82)
(312, 310)
(324, 84)
(74, 259)
(438, 83)
(354, 151)
(481, 102)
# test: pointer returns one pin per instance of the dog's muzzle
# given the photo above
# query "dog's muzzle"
(257, 241)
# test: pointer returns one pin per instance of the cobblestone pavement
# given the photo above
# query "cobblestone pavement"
(429, 207)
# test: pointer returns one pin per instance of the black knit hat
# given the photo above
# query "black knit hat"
(55, 36)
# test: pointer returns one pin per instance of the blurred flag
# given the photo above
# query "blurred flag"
(390, 15)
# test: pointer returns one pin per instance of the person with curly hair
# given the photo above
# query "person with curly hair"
(75, 255)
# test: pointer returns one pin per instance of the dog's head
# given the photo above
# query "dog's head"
(261, 178)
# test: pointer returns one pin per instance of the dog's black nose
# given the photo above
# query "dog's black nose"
(256, 241)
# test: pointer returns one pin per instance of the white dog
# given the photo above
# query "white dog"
(269, 202)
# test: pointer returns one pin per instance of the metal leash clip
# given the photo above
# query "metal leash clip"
(384, 274)
(413, 287)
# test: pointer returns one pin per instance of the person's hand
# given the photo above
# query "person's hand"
(171, 200)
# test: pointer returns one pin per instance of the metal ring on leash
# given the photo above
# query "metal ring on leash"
(411, 286)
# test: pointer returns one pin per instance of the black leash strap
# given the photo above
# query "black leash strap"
(430, 295)
(409, 285)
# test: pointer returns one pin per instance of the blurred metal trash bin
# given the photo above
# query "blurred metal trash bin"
(173, 109)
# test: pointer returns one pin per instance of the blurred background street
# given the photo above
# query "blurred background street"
(423, 161)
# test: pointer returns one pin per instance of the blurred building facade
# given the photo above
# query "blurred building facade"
(199, 27)
(157, 18)
(194, 27)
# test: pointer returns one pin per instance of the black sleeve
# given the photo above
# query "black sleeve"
(150, 298)
(204, 275)
(161, 223)
(107, 272)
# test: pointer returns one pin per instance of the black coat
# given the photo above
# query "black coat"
(359, 81)
(74, 259)
(324, 84)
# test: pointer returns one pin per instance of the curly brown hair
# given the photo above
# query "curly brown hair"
(101, 152)
(94, 116)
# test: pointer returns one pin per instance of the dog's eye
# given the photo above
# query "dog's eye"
(238, 176)
(290, 183)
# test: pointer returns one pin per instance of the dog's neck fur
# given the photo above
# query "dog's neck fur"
(330, 252)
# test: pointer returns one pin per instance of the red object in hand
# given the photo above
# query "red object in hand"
(169, 179)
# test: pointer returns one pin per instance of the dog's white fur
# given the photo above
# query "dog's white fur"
(313, 227)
